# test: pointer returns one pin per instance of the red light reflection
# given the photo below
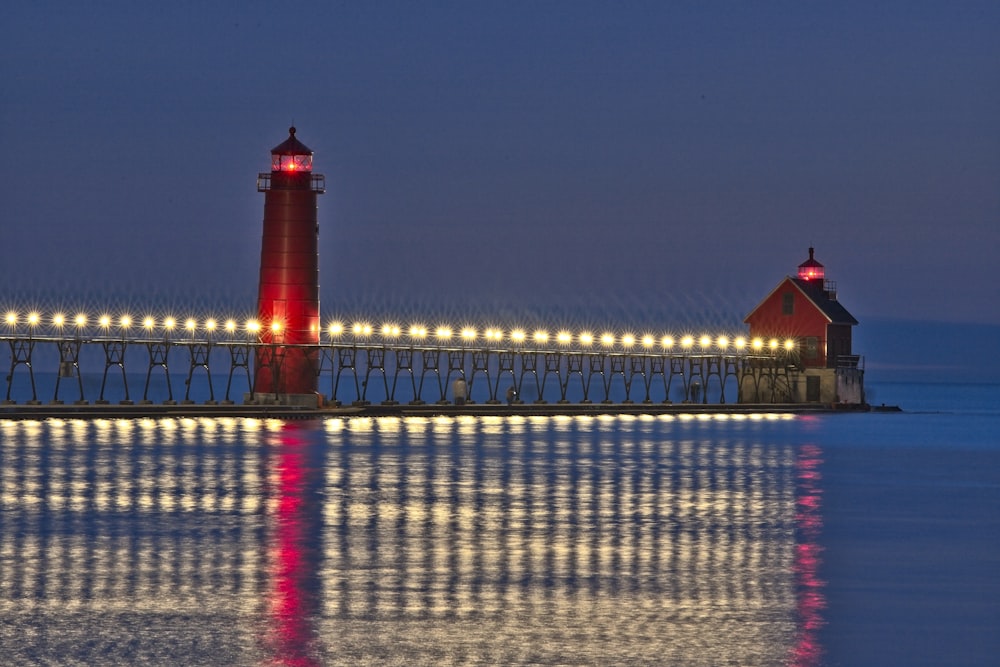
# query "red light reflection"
(293, 602)
(808, 523)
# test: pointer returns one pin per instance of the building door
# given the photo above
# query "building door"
(812, 388)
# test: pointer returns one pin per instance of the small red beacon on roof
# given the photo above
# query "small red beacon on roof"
(811, 269)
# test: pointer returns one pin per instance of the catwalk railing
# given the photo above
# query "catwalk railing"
(110, 369)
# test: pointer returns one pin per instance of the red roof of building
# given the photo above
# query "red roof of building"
(814, 292)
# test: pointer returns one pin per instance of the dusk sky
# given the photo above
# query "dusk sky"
(637, 162)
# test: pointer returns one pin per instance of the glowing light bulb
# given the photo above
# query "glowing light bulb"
(125, 321)
(773, 344)
(628, 340)
(33, 318)
(687, 341)
(740, 343)
(210, 325)
(667, 341)
(253, 326)
(722, 342)
(80, 320)
(105, 321)
(469, 334)
(586, 338)
(276, 326)
(230, 326)
(58, 319)
(647, 341)
(148, 323)
(564, 337)
(758, 343)
(443, 332)
(705, 341)
(336, 328)
(541, 336)
(607, 339)
(789, 344)
(11, 318)
(517, 335)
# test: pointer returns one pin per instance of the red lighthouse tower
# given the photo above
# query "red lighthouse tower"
(288, 296)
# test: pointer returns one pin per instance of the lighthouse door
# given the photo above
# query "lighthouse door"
(812, 389)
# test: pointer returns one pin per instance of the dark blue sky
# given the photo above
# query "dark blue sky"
(625, 162)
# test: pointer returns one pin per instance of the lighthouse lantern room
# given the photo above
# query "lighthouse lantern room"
(810, 269)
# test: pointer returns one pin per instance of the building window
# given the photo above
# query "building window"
(812, 347)
(787, 303)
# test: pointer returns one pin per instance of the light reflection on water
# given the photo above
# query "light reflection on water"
(493, 540)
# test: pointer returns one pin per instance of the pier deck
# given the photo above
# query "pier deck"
(39, 412)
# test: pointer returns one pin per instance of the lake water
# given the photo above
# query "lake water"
(845, 539)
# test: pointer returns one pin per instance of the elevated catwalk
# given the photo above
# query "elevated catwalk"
(104, 375)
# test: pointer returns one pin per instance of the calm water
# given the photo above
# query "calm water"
(842, 540)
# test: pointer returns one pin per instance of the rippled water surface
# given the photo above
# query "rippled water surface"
(679, 540)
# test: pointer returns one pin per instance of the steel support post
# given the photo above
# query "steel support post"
(374, 361)
(658, 366)
(114, 355)
(597, 365)
(617, 368)
(637, 366)
(404, 363)
(239, 357)
(481, 364)
(714, 368)
(456, 362)
(574, 366)
(553, 365)
(69, 364)
(505, 364)
(346, 357)
(20, 355)
(529, 363)
(200, 353)
(158, 353)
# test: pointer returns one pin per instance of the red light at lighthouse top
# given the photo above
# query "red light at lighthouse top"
(811, 269)
(291, 155)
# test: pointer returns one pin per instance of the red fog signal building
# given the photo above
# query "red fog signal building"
(805, 309)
